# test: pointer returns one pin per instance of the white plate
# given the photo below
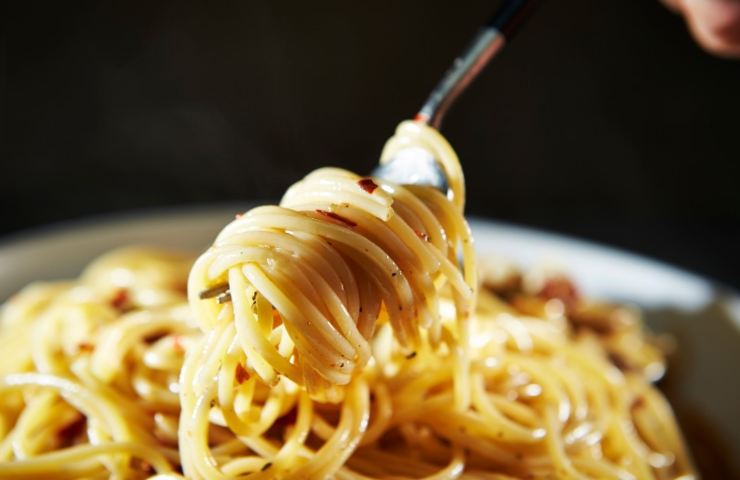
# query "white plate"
(703, 382)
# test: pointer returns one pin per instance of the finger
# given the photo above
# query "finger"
(714, 23)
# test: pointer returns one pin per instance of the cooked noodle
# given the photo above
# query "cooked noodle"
(338, 335)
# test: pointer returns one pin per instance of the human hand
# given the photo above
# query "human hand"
(715, 24)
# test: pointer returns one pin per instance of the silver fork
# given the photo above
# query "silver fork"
(418, 166)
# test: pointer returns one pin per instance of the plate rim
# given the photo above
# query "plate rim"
(109, 219)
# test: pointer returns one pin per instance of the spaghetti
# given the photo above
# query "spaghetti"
(343, 334)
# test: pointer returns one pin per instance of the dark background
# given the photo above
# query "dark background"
(602, 120)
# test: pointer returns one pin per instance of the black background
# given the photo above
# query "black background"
(603, 119)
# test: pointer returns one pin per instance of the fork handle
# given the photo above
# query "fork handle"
(498, 31)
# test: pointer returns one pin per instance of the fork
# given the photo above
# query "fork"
(418, 166)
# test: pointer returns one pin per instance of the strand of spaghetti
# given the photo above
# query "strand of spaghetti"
(80, 397)
(667, 437)
(31, 441)
(496, 421)
(564, 466)
(315, 350)
(380, 416)
(262, 353)
(353, 422)
(195, 399)
(47, 462)
(114, 344)
(416, 134)
(25, 424)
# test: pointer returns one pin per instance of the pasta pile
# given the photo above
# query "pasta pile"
(89, 377)
(346, 333)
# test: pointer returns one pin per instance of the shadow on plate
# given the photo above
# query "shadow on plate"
(702, 382)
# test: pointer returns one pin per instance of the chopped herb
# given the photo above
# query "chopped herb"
(214, 291)
(223, 298)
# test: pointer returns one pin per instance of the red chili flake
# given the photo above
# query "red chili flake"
(242, 375)
(177, 344)
(238, 216)
(337, 217)
(85, 347)
(422, 235)
(562, 289)
(277, 320)
(420, 117)
(120, 299)
(367, 184)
